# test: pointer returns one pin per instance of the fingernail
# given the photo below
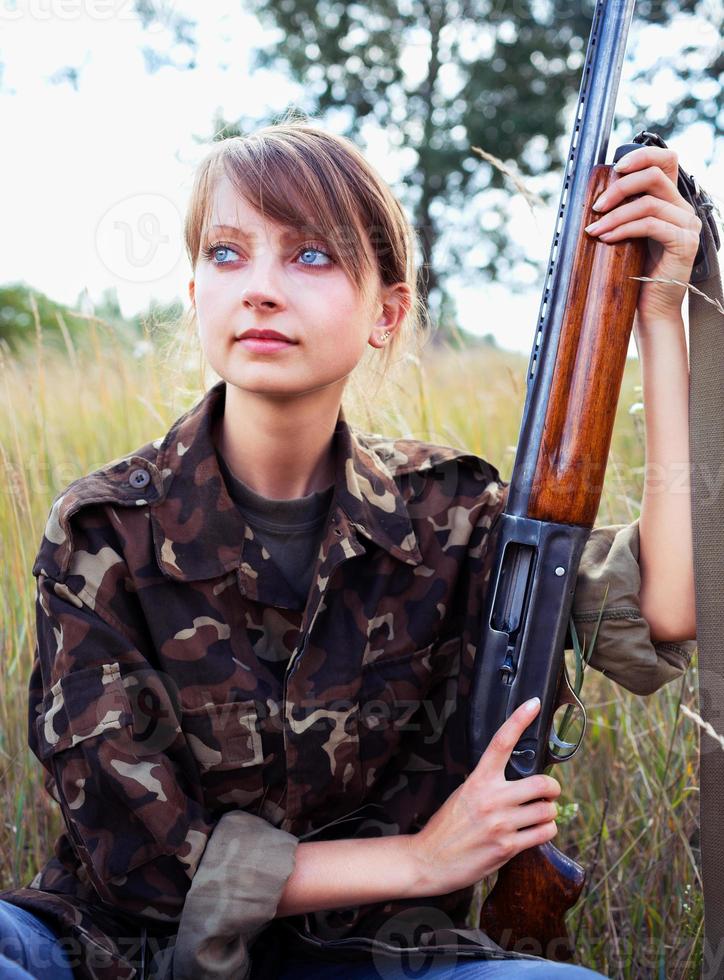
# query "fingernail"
(532, 704)
(621, 165)
(598, 203)
(592, 227)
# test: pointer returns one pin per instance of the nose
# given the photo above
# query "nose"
(261, 291)
(256, 299)
(253, 299)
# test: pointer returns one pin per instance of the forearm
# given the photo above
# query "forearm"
(337, 873)
(666, 555)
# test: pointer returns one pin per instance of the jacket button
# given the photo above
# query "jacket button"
(139, 479)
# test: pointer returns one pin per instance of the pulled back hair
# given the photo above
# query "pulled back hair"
(295, 173)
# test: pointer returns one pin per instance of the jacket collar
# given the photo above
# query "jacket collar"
(199, 530)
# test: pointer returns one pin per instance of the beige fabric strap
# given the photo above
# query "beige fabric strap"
(706, 435)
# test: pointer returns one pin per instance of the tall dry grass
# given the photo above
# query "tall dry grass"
(630, 795)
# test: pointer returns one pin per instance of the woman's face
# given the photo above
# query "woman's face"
(252, 274)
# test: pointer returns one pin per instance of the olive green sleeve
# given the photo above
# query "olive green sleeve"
(234, 894)
(624, 650)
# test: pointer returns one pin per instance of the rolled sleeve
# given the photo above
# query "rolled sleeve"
(624, 650)
(234, 894)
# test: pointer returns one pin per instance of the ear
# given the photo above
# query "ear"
(192, 292)
(393, 304)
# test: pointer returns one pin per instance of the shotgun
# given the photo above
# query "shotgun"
(573, 385)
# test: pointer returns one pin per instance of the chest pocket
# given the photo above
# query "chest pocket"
(80, 705)
(404, 704)
(226, 741)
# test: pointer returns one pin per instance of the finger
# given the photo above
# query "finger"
(539, 787)
(680, 241)
(650, 181)
(650, 156)
(534, 813)
(497, 754)
(535, 835)
(643, 207)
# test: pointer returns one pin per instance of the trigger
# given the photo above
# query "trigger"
(560, 743)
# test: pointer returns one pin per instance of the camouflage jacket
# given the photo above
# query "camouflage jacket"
(188, 765)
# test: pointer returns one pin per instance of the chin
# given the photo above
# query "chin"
(256, 384)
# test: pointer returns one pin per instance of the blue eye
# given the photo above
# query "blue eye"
(211, 250)
(313, 248)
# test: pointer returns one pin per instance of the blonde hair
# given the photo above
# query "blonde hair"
(297, 174)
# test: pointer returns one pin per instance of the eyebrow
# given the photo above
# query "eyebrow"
(287, 234)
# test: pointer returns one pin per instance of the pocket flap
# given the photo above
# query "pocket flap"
(81, 704)
(224, 736)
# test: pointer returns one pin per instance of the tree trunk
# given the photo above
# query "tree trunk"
(428, 280)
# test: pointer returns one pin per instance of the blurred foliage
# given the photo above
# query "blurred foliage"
(177, 27)
(17, 317)
(26, 313)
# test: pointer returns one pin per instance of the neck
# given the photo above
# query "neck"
(287, 452)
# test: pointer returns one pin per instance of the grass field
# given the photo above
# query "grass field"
(630, 794)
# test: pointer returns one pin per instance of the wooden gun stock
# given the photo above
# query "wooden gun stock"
(526, 908)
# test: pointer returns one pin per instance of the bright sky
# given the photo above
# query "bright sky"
(94, 182)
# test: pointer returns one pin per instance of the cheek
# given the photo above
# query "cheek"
(348, 321)
(345, 338)
(211, 298)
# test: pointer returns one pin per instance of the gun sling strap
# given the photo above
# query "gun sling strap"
(706, 453)
(706, 450)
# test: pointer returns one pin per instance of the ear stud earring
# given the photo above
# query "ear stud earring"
(385, 335)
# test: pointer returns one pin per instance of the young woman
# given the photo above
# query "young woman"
(256, 633)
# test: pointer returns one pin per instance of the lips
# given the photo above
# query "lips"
(265, 335)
